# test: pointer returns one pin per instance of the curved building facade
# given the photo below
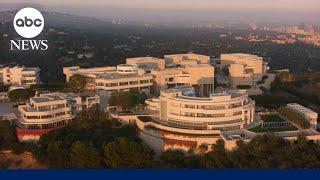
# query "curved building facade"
(221, 111)
(49, 111)
(127, 69)
(42, 115)
(186, 121)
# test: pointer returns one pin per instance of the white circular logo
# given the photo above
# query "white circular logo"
(28, 22)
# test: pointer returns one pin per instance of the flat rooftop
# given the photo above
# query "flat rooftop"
(30, 69)
(188, 93)
(6, 108)
(118, 76)
(146, 59)
(240, 134)
(184, 55)
(47, 99)
(301, 108)
(178, 88)
(308, 132)
(200, 65)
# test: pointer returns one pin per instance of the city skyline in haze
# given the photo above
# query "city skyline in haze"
(184, 10)
(286, 5)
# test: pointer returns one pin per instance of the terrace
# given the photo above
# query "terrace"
(273, 123)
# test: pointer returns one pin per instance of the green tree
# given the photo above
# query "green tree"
(217, 158)
(303, 154)
(21, 95)
(3, 88)
(265, 151)
(203, 148)
(84, 156)
(294, 117)
(173, 158)
(142, 97)
(127, 99)
(77, 83)
(123, 153)
(7, 135)
(91, 126)
(57, 155)
(95, 117)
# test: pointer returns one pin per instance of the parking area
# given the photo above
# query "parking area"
(6, 108)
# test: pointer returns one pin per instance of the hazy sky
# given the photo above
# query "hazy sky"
(182, 10)
(285, 5)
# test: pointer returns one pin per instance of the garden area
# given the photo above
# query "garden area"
(294, 117)
(271, 118)
(260, 129)
(273, 123)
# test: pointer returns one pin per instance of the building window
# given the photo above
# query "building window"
(134, 82)
(200, 115)
(190, 106)
(44, 108)
(58, 106)
(235, 105)
(60, 114)
(123, 83)
(32, 117)
(144, 81)
(188, 114)
(111, 84)
(205, 107)
(47, 117)
(237, 113)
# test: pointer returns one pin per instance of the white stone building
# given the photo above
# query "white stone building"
(149, 73)
(20, 76)
(42, 115)
(186, 121)
(199, 76)
(229, 110)
(308, 114)
(187, 59)
(47, 112)
(244, 69)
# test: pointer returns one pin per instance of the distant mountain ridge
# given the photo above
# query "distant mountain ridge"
(55, 19)
(16, 6)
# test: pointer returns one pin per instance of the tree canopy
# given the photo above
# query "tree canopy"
(127, 99)
(173, 158)
(81, 144)
(294, 117)
(123, 153)
(77, 83)
(266, 151)
(92, 140)
(7, 135)
(21, 95)
(84, 156)
(3, 88)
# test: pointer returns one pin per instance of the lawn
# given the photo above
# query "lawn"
(260, 129)
(271, 118)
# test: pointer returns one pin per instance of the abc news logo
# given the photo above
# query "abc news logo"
(28, 23)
